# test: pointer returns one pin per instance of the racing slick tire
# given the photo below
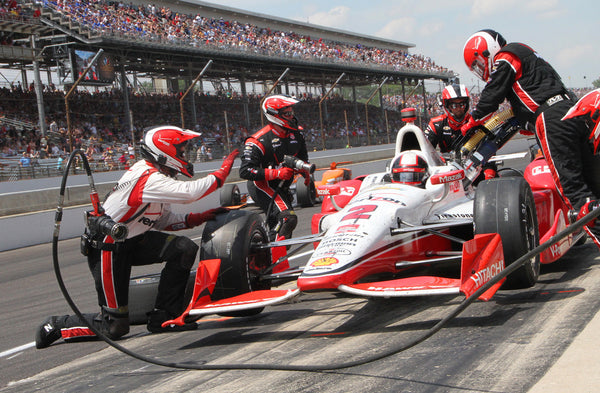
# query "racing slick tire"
(230, 238)
(142, 296)
(230, 195)
(506, 206)
(306, 195)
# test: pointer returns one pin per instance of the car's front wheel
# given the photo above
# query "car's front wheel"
(506, 206)
(233, 238)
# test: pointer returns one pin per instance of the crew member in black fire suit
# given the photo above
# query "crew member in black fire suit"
(141, 201)
(268, 180)
(444, 130)
(539, 100)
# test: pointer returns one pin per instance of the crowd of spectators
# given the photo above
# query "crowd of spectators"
(162, 24)
(98, 121)
(99, 125)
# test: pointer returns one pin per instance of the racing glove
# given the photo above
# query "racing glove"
(222, 173)
(306, 176)
(195, 219)
(588, 207)
(472, 123)
(281, 173)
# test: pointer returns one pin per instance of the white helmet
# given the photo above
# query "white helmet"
(165, 145)
(480, 50)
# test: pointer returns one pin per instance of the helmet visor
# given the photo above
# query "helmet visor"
(479, 68)
(408, 177)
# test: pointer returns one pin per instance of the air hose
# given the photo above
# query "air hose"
(578, 225)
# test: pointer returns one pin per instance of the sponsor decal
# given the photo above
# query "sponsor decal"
(454, 187)
(371, 198)
(147, 221)
(538, 170)
(347, 190)
(451, 178)
(326, 261)
(164, 142)
(333, 251)
(556, 250)
(347, 228)
(485, 275)
(455, 215)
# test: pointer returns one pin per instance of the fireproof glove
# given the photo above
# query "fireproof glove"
(222, 173)
(306, 177)
(472, 123)
(281, 173)
(195, 219)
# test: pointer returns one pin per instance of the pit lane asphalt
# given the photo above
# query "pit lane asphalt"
(505, 345)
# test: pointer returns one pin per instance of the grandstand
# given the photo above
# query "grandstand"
(164, 47)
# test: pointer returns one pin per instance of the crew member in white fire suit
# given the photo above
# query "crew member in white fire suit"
(141, 201)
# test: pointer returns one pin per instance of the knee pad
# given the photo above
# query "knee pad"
(287, 223)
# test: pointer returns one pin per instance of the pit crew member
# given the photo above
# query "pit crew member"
(262, 165)
(539, 100)
(141, 200)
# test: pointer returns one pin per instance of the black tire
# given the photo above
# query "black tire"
(230, 238)
(142, 296)
(506, 206)
(306, 195)
(230, 195)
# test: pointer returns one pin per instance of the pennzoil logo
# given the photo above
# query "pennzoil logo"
(327, 261)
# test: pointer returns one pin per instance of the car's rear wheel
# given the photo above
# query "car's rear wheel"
(232, 238)
(306, 195)
(506, 206)
(142, 296)
(230, 195)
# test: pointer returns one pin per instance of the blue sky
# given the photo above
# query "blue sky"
(565, 33)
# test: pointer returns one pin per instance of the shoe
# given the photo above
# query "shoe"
(157, 317)
(47, 333)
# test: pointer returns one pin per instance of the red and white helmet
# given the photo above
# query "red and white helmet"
(480, 50)
(410, 168)
(273, 107)
(456, 94)
(165, 145)
(588, 106)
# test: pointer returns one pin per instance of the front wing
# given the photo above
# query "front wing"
(482, 259)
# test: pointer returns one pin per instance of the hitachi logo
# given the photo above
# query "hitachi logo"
(485, 275)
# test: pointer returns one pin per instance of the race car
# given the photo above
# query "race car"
(379, 238)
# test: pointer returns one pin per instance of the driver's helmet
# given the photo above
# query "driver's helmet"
(455, 99)
(410, 168)
(588, 106)
(278, 110)
(480, 50)
(165, 146)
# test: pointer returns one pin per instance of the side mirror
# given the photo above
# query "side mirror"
(448, 177)
(327, 190)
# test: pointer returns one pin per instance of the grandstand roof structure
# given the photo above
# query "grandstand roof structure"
(181, 60)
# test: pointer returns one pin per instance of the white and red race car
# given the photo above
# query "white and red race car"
(377, 238)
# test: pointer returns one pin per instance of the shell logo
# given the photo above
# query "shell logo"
(327, 261)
